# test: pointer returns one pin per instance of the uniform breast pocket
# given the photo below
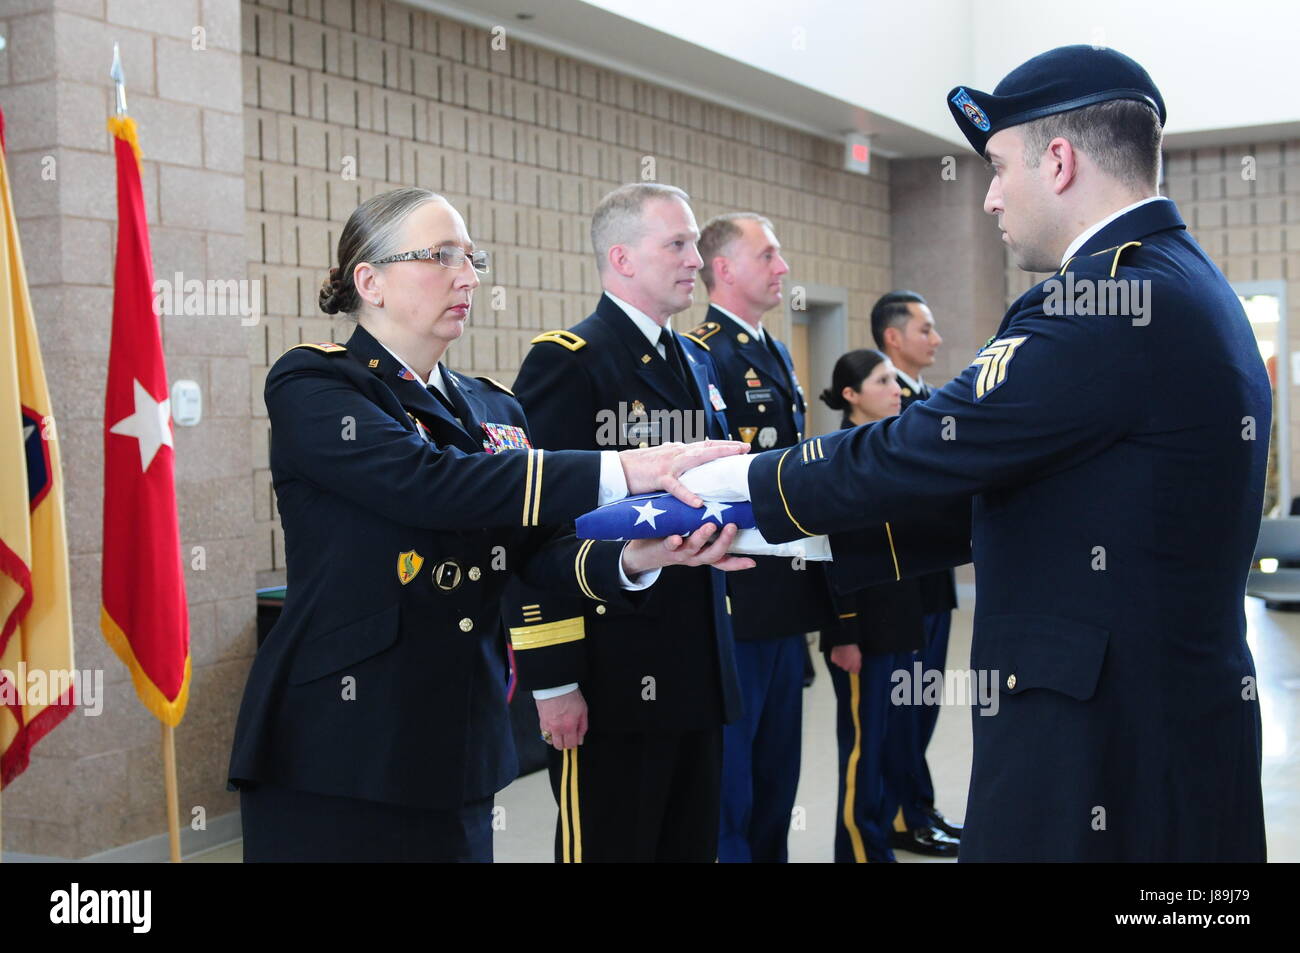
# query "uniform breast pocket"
(346, 645)
(1025, 652)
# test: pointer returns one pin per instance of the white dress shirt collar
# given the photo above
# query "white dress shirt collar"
(1093, 230)
(435, 376)
(648, 325)
(756, 331)
(916, 385)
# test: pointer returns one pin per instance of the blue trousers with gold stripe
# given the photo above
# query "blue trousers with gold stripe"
(862, 707)
(760, 752)
(632, 797)
(909, 790)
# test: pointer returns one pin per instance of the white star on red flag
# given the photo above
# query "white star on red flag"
(150, 425)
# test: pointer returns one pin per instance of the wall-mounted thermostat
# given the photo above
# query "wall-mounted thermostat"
(187, 403)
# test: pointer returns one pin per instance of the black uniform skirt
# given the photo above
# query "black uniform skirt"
(283, 825)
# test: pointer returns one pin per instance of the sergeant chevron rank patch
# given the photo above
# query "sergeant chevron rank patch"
(993, 362)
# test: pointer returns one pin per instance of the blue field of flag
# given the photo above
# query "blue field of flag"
(658, 514)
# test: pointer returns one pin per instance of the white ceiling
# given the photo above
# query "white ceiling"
(1227, 72)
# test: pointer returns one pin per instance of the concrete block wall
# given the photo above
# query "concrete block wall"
(96, 782)
(524, 142)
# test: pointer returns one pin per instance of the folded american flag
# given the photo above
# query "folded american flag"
(653, 515)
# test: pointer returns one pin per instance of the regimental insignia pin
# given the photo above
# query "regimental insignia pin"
(747, 434)
(408, 565)
(907, 392)
(645, 358)
(742, 337)
(373, 362)
(638, 409)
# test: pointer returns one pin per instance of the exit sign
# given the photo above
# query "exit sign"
(857, 153)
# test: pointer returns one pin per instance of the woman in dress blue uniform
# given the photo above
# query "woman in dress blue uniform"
(374, 725)
(874, 623)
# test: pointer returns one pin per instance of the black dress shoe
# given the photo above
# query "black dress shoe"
(945, 825)
(924, 840)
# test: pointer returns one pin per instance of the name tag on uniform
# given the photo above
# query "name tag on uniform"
(715, 398)
(504, 437)
(760, 396)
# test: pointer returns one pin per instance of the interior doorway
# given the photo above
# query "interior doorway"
(819, 334)
(1265, 304)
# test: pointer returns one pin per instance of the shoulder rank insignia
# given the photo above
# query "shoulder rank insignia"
(326, 347)
(565, 339)
(498, 385)
(993, 361)
(704, 331)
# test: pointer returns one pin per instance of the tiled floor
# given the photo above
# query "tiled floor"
(529, 816)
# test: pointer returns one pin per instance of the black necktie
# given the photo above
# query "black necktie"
(675, 360)
(445, 401)
(770, 342)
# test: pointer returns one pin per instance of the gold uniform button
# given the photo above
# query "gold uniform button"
(762, 408)
(600, 610)
(643, 444)
(742, 337)
(466, 624)
(475, 574)
(1011, 681)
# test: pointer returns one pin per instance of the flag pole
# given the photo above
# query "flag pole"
(168, 731)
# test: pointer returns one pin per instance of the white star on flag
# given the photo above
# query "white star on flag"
(714, 510)
(648, 514)
(149, 425)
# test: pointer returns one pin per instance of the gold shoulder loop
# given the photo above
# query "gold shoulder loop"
(563, 338)
(498, 385)
(704, 331)
(325, 347)
(1061, 272)
(690, 336)
(1114, 265)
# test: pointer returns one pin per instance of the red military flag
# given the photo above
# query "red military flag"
(143, 613)
(37, 690)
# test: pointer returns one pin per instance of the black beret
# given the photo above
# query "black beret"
(1068, 77)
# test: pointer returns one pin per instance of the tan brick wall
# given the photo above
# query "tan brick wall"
(96, 782)
(1250, 227)
(524, 142)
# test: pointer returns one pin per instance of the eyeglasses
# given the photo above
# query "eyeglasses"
(452, 256)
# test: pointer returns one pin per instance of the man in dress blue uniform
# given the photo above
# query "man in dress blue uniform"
(646, 693)
(777, 602)
(1111, 537)
(904, 330)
